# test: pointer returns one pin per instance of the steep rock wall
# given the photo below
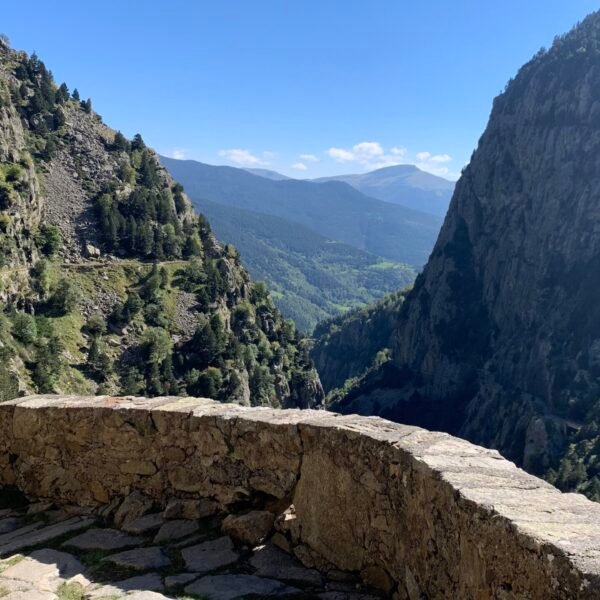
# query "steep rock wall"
(499, 339)
(415, 512)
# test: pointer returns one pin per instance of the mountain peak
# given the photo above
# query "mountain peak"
(405, 184)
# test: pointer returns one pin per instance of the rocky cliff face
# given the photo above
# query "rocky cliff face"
(109, 280)
(348, 346)
(499, 340)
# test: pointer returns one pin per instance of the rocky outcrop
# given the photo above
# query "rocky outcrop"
(498, 340)
(416, 513)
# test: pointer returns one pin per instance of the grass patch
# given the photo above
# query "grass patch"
(3, 591)
(92, 558)
(70, 591)
(384, 265)
(107, 572)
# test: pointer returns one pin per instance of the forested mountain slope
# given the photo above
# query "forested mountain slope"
(109, 281)
(499, 340)
(310, 277)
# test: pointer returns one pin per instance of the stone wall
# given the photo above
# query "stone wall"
(417, 513)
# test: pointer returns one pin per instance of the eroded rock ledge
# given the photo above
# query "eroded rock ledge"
(414, 512)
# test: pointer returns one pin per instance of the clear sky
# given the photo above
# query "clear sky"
(307, 88)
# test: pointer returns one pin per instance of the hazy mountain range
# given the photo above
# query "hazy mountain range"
(322, 247)
(333, 209)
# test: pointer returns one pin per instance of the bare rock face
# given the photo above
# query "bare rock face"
(411, 512)
(502, 328)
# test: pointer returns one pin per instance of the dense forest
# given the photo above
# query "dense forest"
(311, 278)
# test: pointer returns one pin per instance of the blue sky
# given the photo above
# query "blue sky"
(308, 88)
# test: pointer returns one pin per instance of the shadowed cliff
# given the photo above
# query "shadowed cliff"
(499, 341)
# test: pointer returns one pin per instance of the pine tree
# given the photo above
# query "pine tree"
(120, 143)
(138, 142)
(93, 353)
(62, 94)
(75, 95)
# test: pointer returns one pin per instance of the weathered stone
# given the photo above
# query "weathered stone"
(92, 251)
(146, 596)
(138, 467)
(287, 523)
(378, 578)
(180, 579)
(441, 517)
(9, 524)
(251, 528)
(174, 530)
(272, 562)
(145, 524)
(190, 509)
(141, 559)
(190, 541)
(34, 535)
(229, 587)
(279, 540)
(150, 581)
(346, 596)
(209, 556)
(30, 595)
(38, 508)
(102, 539)
(311, 559)
(104, 592)
(134, 506)
(45, 569)
(14, 585)
(80, 580)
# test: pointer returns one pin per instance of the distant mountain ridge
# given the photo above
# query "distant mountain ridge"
(268, 174)
(406, 185)
(333, 209)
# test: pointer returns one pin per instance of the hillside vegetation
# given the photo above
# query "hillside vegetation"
(347, 347)
(109, 281)
(310, 277)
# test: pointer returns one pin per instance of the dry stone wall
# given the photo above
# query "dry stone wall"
(418, 514)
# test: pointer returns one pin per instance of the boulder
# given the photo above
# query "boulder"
(251, 528)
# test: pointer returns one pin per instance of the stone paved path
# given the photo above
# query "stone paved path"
(52, 554)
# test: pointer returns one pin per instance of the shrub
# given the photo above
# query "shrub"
(24, 328)
(49, 240)
(64, 299)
